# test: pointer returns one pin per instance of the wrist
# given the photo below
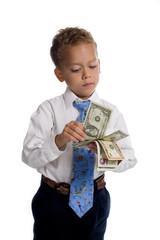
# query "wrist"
(60, 142)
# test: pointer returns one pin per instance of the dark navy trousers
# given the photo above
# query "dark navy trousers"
(55, 220)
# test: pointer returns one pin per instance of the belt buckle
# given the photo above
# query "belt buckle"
(63, 188)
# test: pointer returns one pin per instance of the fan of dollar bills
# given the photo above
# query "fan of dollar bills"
(108, 152)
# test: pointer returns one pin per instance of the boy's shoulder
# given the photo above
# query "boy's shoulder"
(51, 103)
(108, 104)
(54, 100)
(115, 111)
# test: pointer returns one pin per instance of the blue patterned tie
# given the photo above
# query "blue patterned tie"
(81, 189)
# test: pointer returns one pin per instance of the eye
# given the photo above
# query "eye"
(75, 70)
(92, 67)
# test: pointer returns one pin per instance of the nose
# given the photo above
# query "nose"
(86, 74)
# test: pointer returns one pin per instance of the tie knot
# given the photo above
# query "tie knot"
(81, 106)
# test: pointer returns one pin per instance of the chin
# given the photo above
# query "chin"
(86, 96)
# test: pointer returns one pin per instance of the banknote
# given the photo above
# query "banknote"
(115, 136)
(108, 155)
(103, 164)
(95, 124)
(111, 150)
(96, 120)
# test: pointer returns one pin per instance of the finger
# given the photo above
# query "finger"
(71, 138)
(78, 124)
(74, 134)
(92, 147)
(77, 128)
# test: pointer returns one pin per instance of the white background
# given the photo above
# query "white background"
(128, 37)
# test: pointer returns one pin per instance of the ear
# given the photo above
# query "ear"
(99, 65)
(58, 74)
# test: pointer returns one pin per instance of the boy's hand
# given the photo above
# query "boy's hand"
(93, 147)
(73, 131)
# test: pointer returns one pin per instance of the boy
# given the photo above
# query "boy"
(48, 143)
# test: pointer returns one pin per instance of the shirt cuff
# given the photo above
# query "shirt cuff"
(125, 165)
(51, 151)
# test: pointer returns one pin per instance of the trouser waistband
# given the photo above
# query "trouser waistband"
(64, 188)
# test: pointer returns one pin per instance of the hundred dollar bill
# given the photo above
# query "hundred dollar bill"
(103, 164)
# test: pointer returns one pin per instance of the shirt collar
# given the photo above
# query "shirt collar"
(70, 97)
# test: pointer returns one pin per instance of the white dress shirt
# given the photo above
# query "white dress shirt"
(40, 150)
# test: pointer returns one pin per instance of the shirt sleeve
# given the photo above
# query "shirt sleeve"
(39, 146)
(126, 147)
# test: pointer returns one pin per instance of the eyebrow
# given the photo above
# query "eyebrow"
(95, 59)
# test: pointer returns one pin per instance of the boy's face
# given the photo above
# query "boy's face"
(80, 69)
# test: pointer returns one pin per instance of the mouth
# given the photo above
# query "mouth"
(87, 84)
